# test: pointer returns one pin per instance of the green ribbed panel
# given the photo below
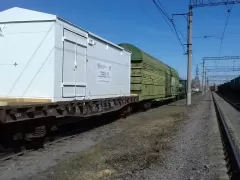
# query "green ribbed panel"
(151, 78)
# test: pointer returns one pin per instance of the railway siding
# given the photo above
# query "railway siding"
(218, 167)
(231, 117)
(142, 129)
(170, 142)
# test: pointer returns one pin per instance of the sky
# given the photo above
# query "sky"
(138, 22)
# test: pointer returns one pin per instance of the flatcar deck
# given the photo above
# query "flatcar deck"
(16, 111)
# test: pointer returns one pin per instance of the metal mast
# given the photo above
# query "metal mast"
(203, 68)
(197, 4)
(189, 53)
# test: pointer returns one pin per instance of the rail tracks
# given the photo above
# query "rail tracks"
(236, 105)
(8, 156)
(67, 133)
(230, 150)
(81, 126)
(70, 134)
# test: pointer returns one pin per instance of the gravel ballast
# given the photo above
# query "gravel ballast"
(168, 142)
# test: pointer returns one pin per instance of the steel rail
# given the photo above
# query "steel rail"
(47, 144)
(232, 156)
(62, 138)
(237, 107)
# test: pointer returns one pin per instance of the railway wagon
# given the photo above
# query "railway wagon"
(214, 87)
(51, 68)
(151, 79)
(182, 88)
(237, 84)
(48, 59)
(56, 69)
(231, 86)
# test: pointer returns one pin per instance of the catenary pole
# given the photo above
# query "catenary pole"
(205, 89)
(203, 67)
(197, 4)
(189, 53)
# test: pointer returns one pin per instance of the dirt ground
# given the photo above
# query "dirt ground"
(144, 144)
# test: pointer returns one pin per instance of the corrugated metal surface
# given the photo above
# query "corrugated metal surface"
(182, 86)
(174, 82)
(151, 78)
(138, 54)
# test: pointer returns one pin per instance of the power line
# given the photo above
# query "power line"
(154, 22)
(171, 20)
(225, 27)
(179, 31)
(167, 18)
(164, 10)
(195, 4)
(203, 3)
(143, 10)
(175, 29)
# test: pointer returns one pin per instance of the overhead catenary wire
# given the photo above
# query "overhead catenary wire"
(163, 10)
(144, 11)
(224, 29)
(223, 33)
(153, 21)
(171, 20)
(179, 31)
(165, 15)
(168, 20)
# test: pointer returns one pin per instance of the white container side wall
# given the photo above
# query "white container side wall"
(86, 70)
(27, 60)
(108, 70)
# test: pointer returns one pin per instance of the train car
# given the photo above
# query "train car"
(151, 79)
(51, 68)
(214, 87)
(231, 86)
(52, 60)
(237, 84)
(182, 88)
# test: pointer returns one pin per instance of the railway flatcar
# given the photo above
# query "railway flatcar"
(52, 60)
(51, 69)
(151, 79)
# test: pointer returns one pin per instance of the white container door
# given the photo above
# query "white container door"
(74, 65)
(80, 73)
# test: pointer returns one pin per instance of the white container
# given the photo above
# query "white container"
(45, 57)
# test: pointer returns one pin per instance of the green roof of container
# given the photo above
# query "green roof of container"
(174, 72)
(138, 54)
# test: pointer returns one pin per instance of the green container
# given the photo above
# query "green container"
(182, 87)
(150, 78)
